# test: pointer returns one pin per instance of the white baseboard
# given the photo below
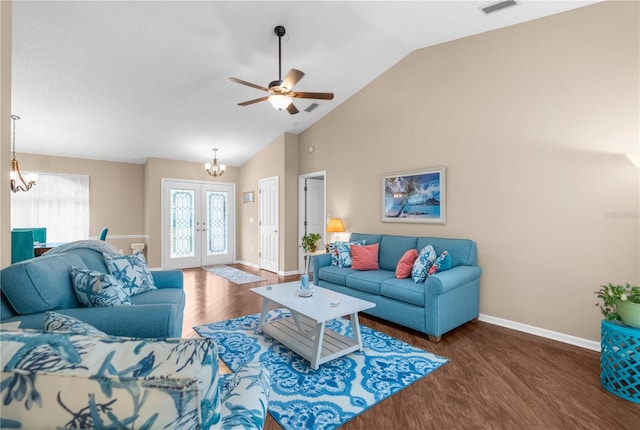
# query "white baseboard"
(542, 332)
(246, 263)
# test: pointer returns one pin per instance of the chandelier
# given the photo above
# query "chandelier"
(15, 175)
(214, 169)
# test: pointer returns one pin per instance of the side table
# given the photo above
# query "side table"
(620, 360)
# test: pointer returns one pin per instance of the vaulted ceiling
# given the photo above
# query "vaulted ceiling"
(125, 81)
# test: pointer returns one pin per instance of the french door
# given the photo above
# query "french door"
(198, 227)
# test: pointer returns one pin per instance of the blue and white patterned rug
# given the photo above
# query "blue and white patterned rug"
(323, 399)
(234, 275)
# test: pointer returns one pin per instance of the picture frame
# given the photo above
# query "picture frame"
(414, 197)
(248, 197)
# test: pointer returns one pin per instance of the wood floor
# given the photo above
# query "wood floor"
(496, 378)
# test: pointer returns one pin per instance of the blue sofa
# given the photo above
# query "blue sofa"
(446, 300)
(30, 288)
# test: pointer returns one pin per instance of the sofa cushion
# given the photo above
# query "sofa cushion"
(405, 265)
(341, 252)
(93, 288)
(464, 252)
(404, 290)
(442, 263)
(132, 271)
(54, 321)
(334, 274)
(116, 382)
(392, 248)
(368, 239)
(368, 281)
(423, 263)
(364, 257)
(41, 284)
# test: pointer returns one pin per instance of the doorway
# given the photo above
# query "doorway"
(311, 209)
(198, 224)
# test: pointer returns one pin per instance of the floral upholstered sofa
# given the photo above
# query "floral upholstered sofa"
(79, 380)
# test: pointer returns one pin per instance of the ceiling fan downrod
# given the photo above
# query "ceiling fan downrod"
(279, 31)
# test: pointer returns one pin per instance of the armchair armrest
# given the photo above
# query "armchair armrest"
(245, 403)
(168, 278)
(448, 280)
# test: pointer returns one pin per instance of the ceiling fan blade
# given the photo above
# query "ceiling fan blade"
(249, 84)
(307, 95)
(292, 109)
(292, 78)
(250, 102)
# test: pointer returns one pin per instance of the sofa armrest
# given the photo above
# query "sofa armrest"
(245, 399)
(168, 278)
(318, 261)
(448, 280)
(156, 320)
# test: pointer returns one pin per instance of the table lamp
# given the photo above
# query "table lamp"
(334, 226)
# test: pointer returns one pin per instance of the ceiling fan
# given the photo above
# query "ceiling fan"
(281, 92)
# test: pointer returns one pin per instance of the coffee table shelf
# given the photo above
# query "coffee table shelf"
(305, 332)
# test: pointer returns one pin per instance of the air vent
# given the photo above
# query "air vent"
(498, 6)
(311, 107)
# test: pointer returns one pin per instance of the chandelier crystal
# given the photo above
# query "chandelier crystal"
(18, 182)
(214, 169)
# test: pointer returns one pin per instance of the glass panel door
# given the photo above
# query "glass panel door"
(198, 224)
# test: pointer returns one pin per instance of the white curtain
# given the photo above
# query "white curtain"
(59, 202)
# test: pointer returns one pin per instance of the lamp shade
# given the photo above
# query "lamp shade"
(335, 225)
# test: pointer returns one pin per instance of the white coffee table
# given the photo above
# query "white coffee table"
(305, 333)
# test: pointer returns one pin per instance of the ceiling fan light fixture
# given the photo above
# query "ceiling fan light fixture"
(279, 101)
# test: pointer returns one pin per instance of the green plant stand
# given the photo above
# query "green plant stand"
(620, 360)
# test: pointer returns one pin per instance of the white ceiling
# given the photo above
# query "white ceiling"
(125, 81)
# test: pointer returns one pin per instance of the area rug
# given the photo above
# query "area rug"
(234, 275)
(323, 399)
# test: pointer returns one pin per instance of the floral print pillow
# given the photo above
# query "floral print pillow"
(132, 271)
(341, 252)
(423, 263)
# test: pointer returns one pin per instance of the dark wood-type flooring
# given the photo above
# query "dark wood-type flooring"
(496, 378)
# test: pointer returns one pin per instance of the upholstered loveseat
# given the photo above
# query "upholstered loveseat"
(32, 287)
(446, 300)
(66, 380)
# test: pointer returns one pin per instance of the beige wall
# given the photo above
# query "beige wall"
(155, 170)
(279, 158)
(5, 132)
(531, 122)
(116, 193)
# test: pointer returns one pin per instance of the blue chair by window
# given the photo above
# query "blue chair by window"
(21, 245)
(103, 233)
(39, 233)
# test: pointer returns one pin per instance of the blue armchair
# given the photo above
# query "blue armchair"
(21, 245)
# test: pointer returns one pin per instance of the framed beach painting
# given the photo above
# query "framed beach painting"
(417, 196)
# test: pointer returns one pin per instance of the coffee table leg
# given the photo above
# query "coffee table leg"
(355, 328)
(263, 314)
(317, 345)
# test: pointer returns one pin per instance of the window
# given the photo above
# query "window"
(59, 202)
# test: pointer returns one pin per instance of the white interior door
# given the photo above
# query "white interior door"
(198, 224)
(268, 200)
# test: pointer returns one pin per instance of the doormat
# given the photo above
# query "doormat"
(323, 399)
(234, 275)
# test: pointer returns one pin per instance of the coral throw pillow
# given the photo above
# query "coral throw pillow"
(403, 269)
(364, 257)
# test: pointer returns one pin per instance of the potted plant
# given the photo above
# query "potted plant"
(620, 303)
(309, 242)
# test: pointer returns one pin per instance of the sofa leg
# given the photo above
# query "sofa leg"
(434, 339)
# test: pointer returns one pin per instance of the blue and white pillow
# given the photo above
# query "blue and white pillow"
(341, 252)
(132, 271)
(54, 321)
(425, 260)
(93, 288)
